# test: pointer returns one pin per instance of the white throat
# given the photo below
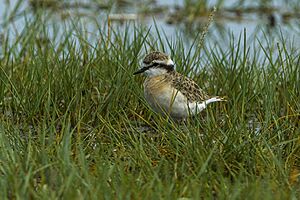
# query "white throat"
(155, 72)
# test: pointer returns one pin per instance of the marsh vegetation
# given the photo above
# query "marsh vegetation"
(74, 123)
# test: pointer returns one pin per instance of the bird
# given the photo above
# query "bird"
(170, 93)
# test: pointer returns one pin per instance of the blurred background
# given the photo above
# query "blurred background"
(272, 19)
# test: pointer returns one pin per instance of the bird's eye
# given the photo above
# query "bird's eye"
(155, 64)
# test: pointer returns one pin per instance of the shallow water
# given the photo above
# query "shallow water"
(257, 25)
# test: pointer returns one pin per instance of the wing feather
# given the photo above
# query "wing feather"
(189, 88)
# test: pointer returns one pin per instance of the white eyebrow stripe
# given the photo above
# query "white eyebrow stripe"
(169, 62)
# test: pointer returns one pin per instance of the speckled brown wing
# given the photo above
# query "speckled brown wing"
(188, 88)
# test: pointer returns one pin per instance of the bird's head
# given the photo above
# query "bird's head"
(156, 63)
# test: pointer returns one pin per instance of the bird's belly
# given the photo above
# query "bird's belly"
(168, 101)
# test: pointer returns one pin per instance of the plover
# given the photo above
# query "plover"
(169, 92)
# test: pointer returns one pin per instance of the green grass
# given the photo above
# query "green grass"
(72, 115)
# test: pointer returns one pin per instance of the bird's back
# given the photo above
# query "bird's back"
(188, 88)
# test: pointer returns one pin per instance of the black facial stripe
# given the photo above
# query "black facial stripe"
(167, 67)
(143, 69)
(153, 65)
(149, 66)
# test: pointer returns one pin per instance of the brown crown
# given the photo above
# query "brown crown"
(155, 55)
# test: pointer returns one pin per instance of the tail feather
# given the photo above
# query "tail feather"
(215, 99)
(203, 105)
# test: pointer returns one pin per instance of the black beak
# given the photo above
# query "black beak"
(140, 70)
